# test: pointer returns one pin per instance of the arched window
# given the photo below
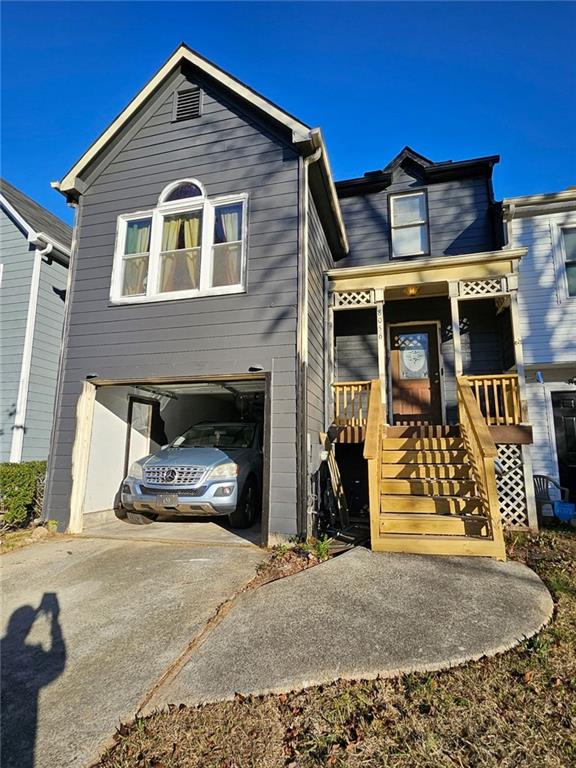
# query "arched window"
(189, 245)
(181, 190)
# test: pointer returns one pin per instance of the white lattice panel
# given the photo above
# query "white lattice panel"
(480, 287)
(512, 487)
(353, 298)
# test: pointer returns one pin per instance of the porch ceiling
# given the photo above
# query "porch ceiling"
(428, 271)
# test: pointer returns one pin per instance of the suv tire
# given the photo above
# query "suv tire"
(245, 513)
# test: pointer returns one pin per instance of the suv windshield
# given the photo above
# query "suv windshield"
(217, 436)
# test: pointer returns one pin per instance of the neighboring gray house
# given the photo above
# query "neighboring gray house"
(218, 269)
(34, 256)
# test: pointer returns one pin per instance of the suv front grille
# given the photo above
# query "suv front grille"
(173, 475)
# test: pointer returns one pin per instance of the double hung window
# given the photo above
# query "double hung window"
(409, 224)
(189, 245)
(569, 247)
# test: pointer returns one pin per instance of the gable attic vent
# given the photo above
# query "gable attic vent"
(187, 104)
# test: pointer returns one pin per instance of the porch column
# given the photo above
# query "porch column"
(328, 355)
(512, 281)
(381, 332)
(453, 293)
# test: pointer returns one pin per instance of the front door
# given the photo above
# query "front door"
(415, 372)
(564, 409)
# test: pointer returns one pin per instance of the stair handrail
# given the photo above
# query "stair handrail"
(373, 454)
(374, 421)
(482, 451)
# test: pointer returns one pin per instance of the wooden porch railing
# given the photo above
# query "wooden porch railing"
(373, 454)
(481, 451)
(498, 397)
(351, 402)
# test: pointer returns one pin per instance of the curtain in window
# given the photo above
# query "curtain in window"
(135, 276)
(181, 251)
(227, 248)
(138, 236)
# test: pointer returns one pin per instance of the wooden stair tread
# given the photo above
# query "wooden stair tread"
(427, 487)
(424, 457)
(409, 471)
(433, 524)
(412, 504)
(423, 443)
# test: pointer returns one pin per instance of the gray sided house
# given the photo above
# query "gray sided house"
(219, 272)
(253, 322)
(34, 256)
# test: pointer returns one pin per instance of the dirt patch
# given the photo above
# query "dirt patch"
(11, 540)
(517, 710)
(287, 561)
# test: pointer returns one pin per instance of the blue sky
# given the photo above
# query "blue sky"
(453, 80)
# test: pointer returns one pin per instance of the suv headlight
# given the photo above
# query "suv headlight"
(136, 471)
(228, 469)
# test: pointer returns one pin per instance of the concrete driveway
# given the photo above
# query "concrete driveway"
(89, 626)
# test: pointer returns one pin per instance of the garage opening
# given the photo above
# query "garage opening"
(193, 452)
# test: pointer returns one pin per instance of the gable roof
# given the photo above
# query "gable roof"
(375, 181)
(37, 220)
(305, 139)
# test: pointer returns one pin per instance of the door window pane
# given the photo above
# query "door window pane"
(413, 355)
(410, 241)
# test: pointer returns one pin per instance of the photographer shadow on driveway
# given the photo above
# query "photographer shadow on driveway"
(26, 669)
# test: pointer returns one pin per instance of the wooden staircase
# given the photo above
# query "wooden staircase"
(433, 489)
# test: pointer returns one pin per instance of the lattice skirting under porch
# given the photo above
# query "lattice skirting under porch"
(512, 487)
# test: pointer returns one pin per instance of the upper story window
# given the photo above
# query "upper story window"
(189, 245)
(409, 224)
(569, 246)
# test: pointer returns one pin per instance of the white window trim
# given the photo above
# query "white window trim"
(208, 206)
(415, 223)
(559, 258)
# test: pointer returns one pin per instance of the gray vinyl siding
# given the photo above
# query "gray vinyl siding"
(229, 152)
(460, 219)
(481, 340)
(319, 260)
(18, 261)
(356, 345)
(45, 358)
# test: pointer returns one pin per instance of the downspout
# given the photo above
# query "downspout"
(303, 448)
(19, 426)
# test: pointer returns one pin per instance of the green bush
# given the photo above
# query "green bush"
(21, 492)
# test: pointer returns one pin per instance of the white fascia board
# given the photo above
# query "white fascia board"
(13, 213)
(31, 234)
(318, 142)
(538, 202)
(300, 131)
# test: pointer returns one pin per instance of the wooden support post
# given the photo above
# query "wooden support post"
(328, 355)
(518, 348)
(81, 456)
(381, 332)
(453, 291)
(529, 487)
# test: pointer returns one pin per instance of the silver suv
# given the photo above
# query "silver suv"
(212, 469)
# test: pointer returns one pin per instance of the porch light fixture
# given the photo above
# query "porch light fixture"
(411, 290)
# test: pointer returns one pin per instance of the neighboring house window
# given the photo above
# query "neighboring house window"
(569, 244)
(409, 224)
(189, 245)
